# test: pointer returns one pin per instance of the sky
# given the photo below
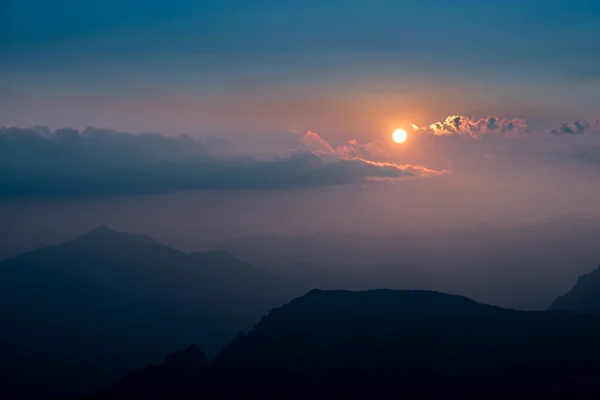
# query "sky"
(242, 117)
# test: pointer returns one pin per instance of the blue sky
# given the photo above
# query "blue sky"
(428, 29)
(349, 69)
(530, 58)
(532, 36)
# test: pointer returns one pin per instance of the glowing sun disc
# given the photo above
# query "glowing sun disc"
(399, 136)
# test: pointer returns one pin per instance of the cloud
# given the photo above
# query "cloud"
(476, 128)
(458, 125)
(351, 149)
(66, 162)
(576, 127)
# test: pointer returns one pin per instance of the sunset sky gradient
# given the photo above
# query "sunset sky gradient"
(249, 100)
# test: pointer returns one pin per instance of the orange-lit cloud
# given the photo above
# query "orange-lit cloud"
(459, 125)
(413, 170)
(357, 152)
(352, 148)
(475, 128)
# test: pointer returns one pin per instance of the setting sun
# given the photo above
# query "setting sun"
(399, 136)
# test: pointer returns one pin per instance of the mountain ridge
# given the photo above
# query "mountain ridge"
(583, 297)
(86, 299)
(346, 339)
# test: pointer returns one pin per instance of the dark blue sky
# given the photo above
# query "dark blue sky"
(561, 36)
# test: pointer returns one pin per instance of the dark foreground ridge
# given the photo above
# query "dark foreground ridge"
(420, 341)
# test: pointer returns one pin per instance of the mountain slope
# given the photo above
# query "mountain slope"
(584, 297)
(78, 315)
(419, 339)
(397, 329)
(179, 370)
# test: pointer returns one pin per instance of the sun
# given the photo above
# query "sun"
(399, 136)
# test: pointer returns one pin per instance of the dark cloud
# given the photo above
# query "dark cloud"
(576, 127)
(66, 162)
(492, 123)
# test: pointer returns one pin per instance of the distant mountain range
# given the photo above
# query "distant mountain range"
(493, 264)
(501, 265)
(79, 315)
(418, 339)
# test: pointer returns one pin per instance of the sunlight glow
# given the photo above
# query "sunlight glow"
(399, 136)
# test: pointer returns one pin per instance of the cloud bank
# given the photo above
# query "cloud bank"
(576, 127)
(476, 128)
(66, 162)
(459, 125)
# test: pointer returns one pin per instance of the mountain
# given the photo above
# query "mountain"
(77, 315)
(499, 265)
(179, 370)
(418, 339)
(175, 377)
(103, 234)
(584, 297)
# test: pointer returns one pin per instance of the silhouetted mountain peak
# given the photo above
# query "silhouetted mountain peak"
(102, 229)
(318, 292)
(103, 234)
(595, 274)
(86, 299)
(341, 309)
(410, 299)
(413, 336)
(583, 297)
